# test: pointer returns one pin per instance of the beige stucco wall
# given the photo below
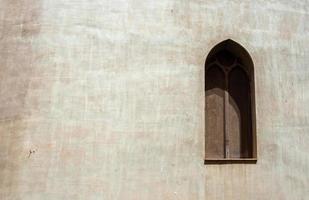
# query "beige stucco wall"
(110, 96)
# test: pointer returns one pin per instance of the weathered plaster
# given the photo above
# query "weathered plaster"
(110, 96)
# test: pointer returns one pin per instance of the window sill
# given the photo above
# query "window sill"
(214, 161)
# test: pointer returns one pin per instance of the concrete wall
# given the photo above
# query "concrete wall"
(108, 95)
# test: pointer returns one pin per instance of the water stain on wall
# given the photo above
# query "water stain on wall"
(18, 28)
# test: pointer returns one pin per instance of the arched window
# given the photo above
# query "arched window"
(229, 104)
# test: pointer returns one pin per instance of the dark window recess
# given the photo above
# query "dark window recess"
(229, 105)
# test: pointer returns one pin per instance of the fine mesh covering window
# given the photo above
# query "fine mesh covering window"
(229, 104)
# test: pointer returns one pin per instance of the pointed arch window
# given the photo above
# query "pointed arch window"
(229, 105)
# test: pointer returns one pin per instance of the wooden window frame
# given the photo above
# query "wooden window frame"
(249, 70)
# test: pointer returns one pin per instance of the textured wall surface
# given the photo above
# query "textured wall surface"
(108, 95)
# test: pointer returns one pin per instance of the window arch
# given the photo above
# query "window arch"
(229, 104)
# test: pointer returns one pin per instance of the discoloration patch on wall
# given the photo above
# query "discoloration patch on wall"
(19, 27)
